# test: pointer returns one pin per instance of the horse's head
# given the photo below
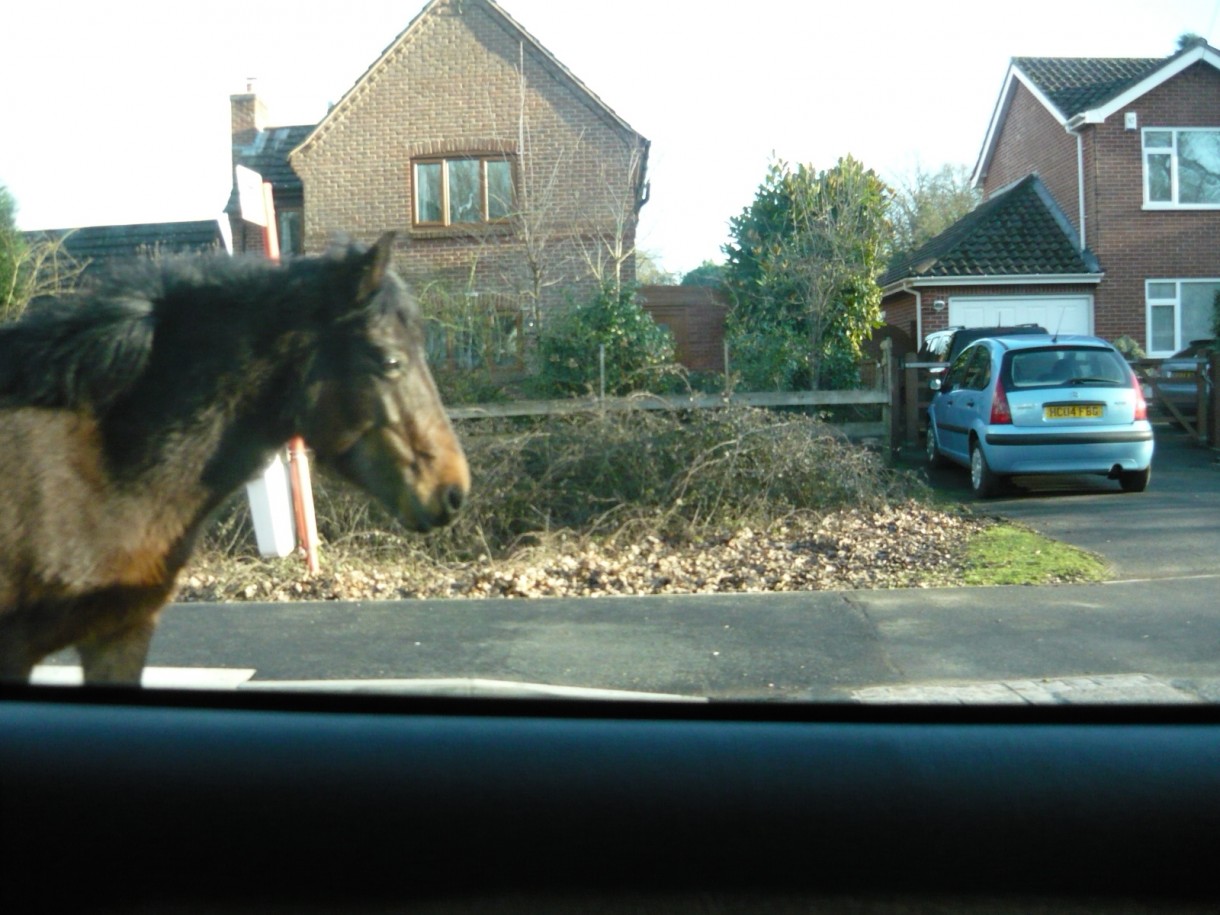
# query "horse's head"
(373, 411)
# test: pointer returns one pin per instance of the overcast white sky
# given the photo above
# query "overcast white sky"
(118, 112)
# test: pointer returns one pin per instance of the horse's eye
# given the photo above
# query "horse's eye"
(390, 366)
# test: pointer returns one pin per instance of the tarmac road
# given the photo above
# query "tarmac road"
(822, 646)
(1171, 529)
(1151, 635)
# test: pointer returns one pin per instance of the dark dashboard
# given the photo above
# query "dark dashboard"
(120, 800)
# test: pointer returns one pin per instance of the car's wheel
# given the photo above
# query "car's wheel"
(1135, 480)
(982, 480)
(935, 458)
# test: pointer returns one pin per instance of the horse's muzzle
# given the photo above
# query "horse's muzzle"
(426, 514)
(423, 493)
(453, 497)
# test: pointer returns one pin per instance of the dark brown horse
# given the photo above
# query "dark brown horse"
(128, 416)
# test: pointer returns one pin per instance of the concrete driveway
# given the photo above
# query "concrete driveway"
(1170, 530)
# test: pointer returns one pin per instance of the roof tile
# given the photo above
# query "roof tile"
(1077, 84)
(1020, 231)
(103, 243)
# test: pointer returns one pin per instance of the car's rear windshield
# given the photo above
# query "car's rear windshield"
(1028, 368)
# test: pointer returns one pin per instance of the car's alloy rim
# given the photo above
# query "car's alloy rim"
(976, 468)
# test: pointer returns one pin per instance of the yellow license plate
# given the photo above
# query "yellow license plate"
(1072, 411)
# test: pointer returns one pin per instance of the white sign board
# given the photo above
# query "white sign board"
(250, 195)
(270, 498)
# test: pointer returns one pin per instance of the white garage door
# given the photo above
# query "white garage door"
(1070, 314)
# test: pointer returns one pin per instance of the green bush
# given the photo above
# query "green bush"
(639, 352)
(1130, 348)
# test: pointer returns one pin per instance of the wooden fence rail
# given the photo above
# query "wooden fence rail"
(1203, 425)
(878, 397)
(901, 395)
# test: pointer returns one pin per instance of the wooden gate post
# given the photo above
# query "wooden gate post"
(911, 418)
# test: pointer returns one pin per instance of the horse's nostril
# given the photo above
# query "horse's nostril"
(453, 497)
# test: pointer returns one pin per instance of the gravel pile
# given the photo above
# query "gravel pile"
(904, 546)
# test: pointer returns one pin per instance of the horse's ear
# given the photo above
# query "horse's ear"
(374, 264)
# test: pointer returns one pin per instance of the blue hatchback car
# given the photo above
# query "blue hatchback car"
(1041, 404)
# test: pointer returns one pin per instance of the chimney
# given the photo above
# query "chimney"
(247, 111)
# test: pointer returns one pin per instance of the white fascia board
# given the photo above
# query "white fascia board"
(1171, 69)
(900, 286)
(1040, 279)
(1001, 112)
(993, 128)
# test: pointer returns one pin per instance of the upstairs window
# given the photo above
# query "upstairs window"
(1182, 167)
(462, 191)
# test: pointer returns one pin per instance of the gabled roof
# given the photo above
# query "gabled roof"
(339, 110)
(1076, 84)
(1018, 234)
(101, 243)
(1086, 90)
(266, 152)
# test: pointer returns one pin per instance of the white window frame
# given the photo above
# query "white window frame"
(1174, 302)
(1172, 151)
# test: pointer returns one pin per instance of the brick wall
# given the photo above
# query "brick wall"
(1031, 140)
(900, 313)
(1134, 244)
(451, 85)
(247, 113)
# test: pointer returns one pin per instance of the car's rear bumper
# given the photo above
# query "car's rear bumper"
(1084, 451)
(1052, 439)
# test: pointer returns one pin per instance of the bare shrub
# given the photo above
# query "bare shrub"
(614, 476)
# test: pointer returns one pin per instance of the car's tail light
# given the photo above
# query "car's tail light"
(1000, 414)
(1141, 405)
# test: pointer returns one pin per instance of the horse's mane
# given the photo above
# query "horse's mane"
(75, 354)
(86, 349)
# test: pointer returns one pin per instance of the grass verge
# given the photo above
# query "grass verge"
(1009, 554)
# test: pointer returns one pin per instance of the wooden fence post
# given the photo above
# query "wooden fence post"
(887, 384)
(912, 406)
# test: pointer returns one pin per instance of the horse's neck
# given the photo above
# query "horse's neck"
(203, 450)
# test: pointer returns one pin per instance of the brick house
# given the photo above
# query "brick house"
(504, 175)
(1101, 212)
(264, 150)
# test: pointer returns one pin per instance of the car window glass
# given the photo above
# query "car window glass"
(1066, 366)
(954, 377)
(977, 369)
(982, 369)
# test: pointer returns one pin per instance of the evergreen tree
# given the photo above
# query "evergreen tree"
(801, 274)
